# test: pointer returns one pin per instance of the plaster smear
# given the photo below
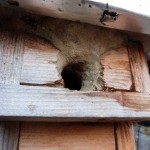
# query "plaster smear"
(80, 42)
(77, 42)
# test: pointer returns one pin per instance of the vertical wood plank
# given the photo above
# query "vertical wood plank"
(139, 68)
(9, 133)
(141, 78)
(125, 136)
(11, 52)
(141, 81)
(67, 136)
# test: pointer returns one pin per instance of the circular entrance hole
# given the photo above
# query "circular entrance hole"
(72, 75)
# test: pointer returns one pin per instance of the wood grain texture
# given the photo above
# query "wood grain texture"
(11, 52)
(141, 80)
(140, 72)
(139, 68)
(138, 101)
(40, 65)
(26, 102)
(9, 133)
(67, 136)
(39, 62)
(125, 136)
(117, 73)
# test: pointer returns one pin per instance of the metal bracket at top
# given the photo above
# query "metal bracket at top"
(108, 15)
(130, 16)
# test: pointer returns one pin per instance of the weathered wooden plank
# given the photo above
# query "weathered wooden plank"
(125, 136)
(9, 133)
(39, 62)
(68, 136)
(138, 101)
(140, 72)
(11, 52)
(117, 73)
(53, 103)
(139, 68)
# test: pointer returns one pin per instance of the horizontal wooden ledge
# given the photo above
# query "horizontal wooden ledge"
(28, 103)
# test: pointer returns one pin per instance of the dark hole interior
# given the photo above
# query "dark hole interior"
(90, 6)
(13, 2)
(149, 66)
(72, 75)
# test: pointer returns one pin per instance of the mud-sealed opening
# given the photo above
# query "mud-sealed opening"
(72, 75)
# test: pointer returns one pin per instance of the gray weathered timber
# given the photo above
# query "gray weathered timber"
(44, 103)
(11, 54)
(9, 133)
(132, 16)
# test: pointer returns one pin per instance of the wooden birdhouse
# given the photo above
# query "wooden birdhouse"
(37, 109)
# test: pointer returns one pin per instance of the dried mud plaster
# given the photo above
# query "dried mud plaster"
(80, 42)
(77, 42)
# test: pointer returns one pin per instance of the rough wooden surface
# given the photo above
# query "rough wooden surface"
(139, 68)
(37, 69)
(39, 62)
(11, 52)
(117, 73)
(9, 135)
(67, 136)
(141, 80)
(125, 136)
(43, 102)
(40, 65)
